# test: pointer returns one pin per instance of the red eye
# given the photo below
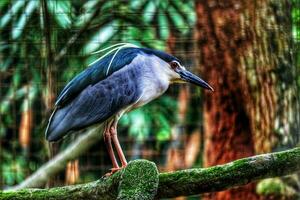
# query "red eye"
(174, 65)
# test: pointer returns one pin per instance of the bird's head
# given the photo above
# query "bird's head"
(177, 73)
(181, 75)
(169, 65)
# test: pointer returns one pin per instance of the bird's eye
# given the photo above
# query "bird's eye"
(174, 65)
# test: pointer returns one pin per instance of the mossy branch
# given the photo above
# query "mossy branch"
(222, 177)
(141, 180)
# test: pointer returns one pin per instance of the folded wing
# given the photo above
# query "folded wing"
(95, 103)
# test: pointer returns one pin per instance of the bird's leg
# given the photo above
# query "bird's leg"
(114, 135)
(107, 140)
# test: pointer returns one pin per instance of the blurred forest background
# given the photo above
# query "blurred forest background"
(249, 51)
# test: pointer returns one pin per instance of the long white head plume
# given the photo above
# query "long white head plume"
(114, 48)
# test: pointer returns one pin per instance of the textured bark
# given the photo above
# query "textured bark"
(140, 180)
(242, 48)
(49, 58)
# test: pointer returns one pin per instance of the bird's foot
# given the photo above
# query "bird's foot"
(114, 170)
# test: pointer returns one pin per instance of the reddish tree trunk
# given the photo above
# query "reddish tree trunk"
(240, 50)
(228, 135)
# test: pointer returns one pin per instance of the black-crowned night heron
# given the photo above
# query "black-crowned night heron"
(125, 78)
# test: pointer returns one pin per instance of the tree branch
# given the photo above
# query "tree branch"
(49, 65)
(222, 177)
(58, 163)
(139, 180)
(140, 175)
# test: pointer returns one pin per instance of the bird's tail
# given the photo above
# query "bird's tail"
(55, 130)
(47, 132)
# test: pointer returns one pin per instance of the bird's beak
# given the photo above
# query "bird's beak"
(191, 78)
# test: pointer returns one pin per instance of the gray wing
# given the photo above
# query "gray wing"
(95, 73)
(95, 104)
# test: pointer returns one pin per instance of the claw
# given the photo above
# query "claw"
(114, 170)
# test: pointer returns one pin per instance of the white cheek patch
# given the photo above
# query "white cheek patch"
(173, 74)
(176, 75)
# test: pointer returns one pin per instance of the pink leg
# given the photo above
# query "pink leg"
(107, 140)
(114, 135)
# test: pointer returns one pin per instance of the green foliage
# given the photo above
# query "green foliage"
(296, 34)
(275, 187)
(61, 12)
(12, 168)
(296, 20)
(24, 59)
(154, 119)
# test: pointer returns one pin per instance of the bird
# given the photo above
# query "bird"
(124, 78)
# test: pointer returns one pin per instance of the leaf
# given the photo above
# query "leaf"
(30, 95)
(3, 3)
(87, 12)
(100, 37)
(188, 12)
(6, 63)
(163, 135)
(2, 129)
(11, 95)
(89, 5)
(134, 4)
(19, 26)
(164, 26)
(16, 6)
(61, 11)
(17, 77)
(177, 20)
(185, 11)
(149, 11)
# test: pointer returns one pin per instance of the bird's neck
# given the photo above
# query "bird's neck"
(154, 81)
(158, 74)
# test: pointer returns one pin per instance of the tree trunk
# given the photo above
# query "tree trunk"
(244, 53)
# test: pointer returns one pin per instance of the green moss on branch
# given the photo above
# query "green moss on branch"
(140, 179)
(106, 188)
(222, 177)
